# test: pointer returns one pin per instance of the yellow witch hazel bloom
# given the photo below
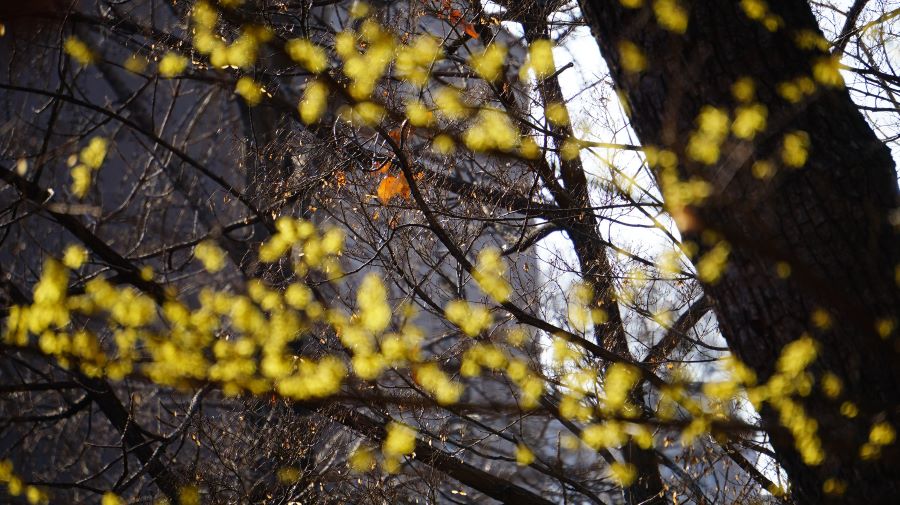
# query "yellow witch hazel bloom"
(557, 113)
(365, 69)
(581, 313)
(308, 54)
(210, 255)
(472, 320)
(91, 158)
(242, 53)
(415, 60)
(489, 272)
(418, 114)
(450, 104)
(78, 50)
(374, 311)
(135, 64)
(400, 439)
(604, 436)
(493, 130)
(362, 460)
(623, 473)
(436, 382)
(631, 57)
(671, 15)
(81, 180)
(749, 120)
(314, 102)
(620, 378)
(172, 65)
(205, 15)
(540, 58)
(524, 455)
(250, 90)
(795, 149)
(488, 64)
(797, 355)
(711, 265)
(95, 152)
(74, 257)
(704, 144)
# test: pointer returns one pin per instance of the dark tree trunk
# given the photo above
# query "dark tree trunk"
(828, 220)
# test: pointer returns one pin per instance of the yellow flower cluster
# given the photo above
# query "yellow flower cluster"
(241, 53)
(758, 10)
(705, 142)
(671, 15)
(15, 486)
(711, 265)
(312, 250)
(308, 54)
(488, 64)
(749, 120)
(435, 381)
(882, 434)
(471, 319)
(314, 102)
(250, 90)
(623, 474)
(364, 69)
(631, 57)
(90, 160)
(582, 310)
(212, 257)
(399, 441)
(540, 59)
(414, 60)
(489, 273)
(418, 114)
(172, 65)
(78, 50)
(797, 89)
(795, 149)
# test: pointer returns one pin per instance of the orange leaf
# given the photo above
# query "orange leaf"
(470, 31)
(383, 167)
(391, 186)
(455, 15)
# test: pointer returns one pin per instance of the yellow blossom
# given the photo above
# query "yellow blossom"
(362, 460)
(250, 90)
(172, 65)
(78, 50)
(313, 103)
(540, 58)
(631, 57)
(418, 114)
(308, 54)
(210, 255)
(374, 311)
(400, 439)
(671, 15)
(795, 149)
(489, 63)
(443, 144)
(110, 498)
(524, 455)
(623, 473)
(749, 120)
(75, 256)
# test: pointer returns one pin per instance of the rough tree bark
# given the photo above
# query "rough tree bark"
(829, 220)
